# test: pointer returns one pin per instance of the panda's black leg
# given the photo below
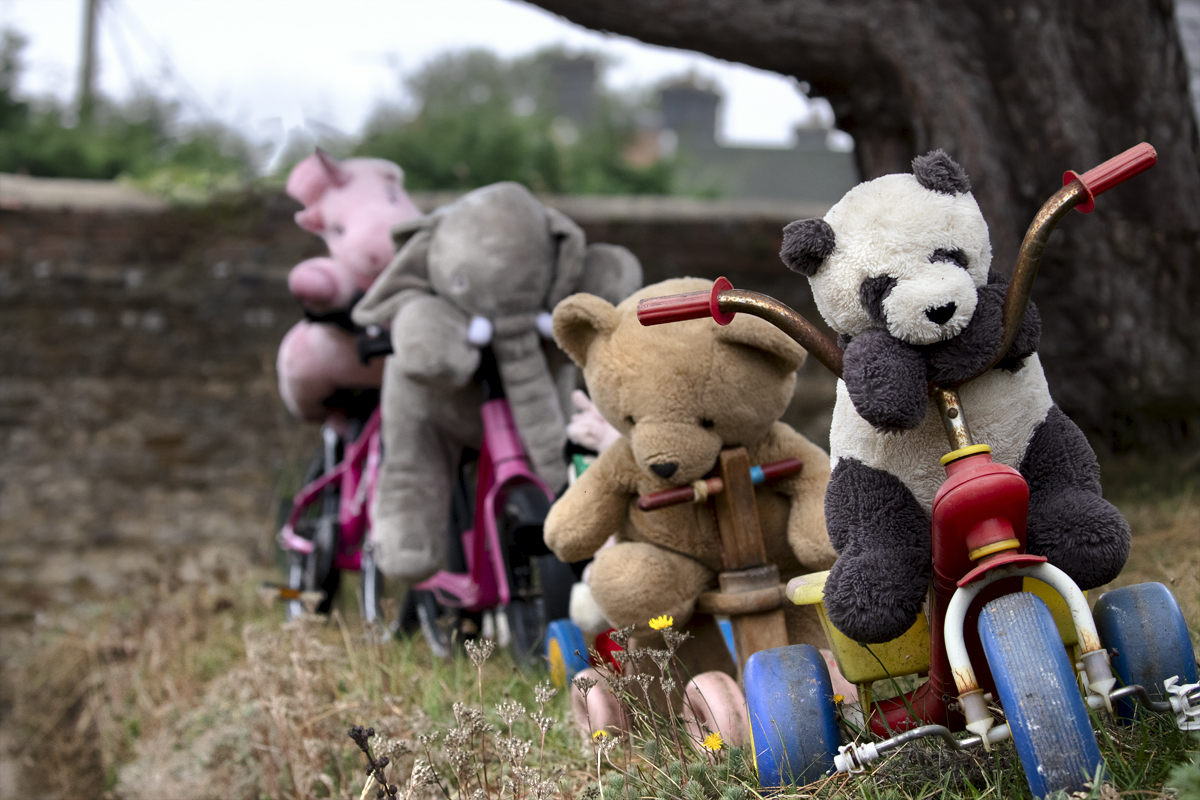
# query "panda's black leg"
(1070, 523)
(876, 587)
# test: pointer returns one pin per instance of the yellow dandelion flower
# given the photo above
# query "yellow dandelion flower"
(658, 623)
(713, 742)
(837, 698)
(600, 735)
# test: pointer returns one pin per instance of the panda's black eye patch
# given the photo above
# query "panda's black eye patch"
(873, 292)
(955, 256)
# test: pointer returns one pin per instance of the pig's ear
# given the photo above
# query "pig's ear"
(311, 220)
(314, 175)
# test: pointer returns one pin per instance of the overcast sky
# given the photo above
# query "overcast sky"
(269, 65)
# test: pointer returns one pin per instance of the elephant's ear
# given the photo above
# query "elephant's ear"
(579, 320)
(406, 277)
(568, 260)
(610, 271)
(764, 339)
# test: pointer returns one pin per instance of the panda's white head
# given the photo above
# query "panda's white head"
(904, 253)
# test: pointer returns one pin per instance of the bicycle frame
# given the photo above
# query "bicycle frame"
(502, 466)
(357, 474)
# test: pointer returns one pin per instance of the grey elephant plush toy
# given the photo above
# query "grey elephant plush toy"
(485, 270)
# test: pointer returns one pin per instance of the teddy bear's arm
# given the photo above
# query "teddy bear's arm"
(886, 380)
(806, 490)
(429, 336)
(594, 507)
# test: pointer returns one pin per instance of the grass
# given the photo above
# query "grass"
(199, 690)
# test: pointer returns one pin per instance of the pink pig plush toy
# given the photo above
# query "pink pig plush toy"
(352, 205)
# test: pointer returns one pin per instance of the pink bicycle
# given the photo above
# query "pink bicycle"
(497, 558)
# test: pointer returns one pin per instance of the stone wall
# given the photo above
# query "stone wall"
(138, 407)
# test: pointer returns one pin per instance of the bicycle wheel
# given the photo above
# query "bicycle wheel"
(793, 718)
(1145, 629)
(1039, 693)
(439, 625)
(526, 627)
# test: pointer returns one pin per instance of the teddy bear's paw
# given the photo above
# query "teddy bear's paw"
(886, 381)
(1081, 533)
(875, 597)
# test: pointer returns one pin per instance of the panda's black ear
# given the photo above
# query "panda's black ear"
(938, 172)
(806, 245)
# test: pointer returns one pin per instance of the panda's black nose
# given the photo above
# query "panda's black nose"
(664, 470)
(941, 314)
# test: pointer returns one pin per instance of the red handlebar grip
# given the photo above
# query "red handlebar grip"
(673, 308)
(680, 307)
(667, 497)
(1118, 169)
(780, 469)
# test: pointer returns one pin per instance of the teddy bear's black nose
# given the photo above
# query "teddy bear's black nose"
(939, 316)
(664, 470)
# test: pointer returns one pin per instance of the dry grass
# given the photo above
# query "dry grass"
(197, 690)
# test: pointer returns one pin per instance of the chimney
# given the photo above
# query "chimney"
(574, 83)
(691, 111)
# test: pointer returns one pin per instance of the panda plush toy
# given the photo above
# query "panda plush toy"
(899, 268)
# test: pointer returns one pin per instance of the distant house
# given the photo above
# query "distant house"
(685, 127)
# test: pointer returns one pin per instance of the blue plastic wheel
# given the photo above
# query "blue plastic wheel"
(1144, 627)
(566, 651)
(1039, 693)
(793, 719)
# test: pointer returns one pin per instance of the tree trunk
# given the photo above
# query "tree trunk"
(1017, 93)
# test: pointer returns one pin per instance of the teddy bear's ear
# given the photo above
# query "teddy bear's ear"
(578, 320)
(776, 347)
(940, 173)
(568, 260)
(806, 245)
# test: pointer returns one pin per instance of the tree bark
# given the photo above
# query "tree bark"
(1017, 93)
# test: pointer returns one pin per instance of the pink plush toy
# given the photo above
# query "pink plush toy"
(352, 205)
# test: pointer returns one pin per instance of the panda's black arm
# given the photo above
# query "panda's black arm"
(968, 354)
(885, 378)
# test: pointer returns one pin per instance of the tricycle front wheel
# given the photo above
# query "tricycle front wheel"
(1039, 693)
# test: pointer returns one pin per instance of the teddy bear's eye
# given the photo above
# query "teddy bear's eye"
(630, 420)
(706, 423)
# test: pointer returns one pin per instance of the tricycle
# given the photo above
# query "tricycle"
(998, 621)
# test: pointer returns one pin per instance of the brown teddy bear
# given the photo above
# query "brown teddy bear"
(679, 394)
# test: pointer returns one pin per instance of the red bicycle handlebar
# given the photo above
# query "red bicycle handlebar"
(1118, 169)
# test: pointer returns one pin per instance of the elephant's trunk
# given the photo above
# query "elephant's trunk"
(532, 396)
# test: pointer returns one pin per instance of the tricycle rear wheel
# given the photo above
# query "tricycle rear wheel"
(793, 717)
(1143, 628)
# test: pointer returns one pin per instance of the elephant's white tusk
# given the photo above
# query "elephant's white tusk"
(545, 325)
(479, 332)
